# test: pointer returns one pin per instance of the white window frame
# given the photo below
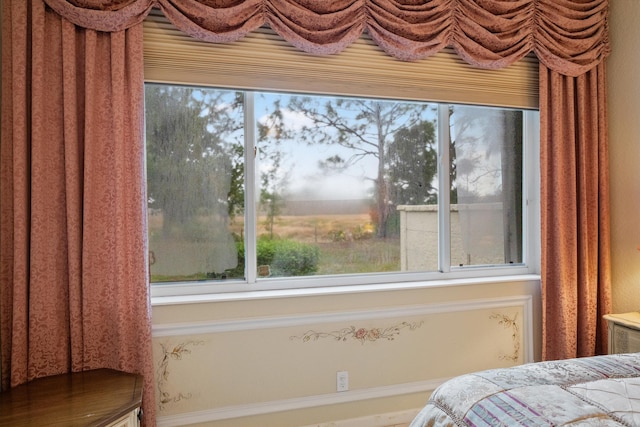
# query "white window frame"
(446, 271)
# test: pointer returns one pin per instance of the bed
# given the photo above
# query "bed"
(591, 391)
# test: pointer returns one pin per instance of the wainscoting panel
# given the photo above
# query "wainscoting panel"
(210, 371)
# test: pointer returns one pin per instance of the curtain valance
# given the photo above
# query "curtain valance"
(568, 36)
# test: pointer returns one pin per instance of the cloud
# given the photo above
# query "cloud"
(294, 120)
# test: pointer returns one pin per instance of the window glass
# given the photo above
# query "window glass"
(329, 185)
(194, 143)
(486, 206)
(335, 173)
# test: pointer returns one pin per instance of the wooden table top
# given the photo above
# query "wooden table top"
(90, 398)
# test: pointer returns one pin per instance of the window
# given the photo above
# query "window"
(251, 187)
(340, 182)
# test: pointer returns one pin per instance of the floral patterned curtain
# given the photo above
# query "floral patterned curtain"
(73, 268)
(568, 36)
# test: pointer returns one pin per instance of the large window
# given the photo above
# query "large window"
(251, 189)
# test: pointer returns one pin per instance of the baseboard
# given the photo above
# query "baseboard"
(379, 420)
(256, 409)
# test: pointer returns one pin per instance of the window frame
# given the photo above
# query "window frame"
(446, 272)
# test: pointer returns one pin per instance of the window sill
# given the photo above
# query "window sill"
(333, 290)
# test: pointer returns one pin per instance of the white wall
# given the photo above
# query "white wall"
(624, 133)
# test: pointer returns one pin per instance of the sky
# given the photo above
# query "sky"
(305, 179)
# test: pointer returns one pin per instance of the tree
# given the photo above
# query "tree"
(413, 161)
(366, 128)
(273, 176)
(192, 160)
(188, 148)
(272, 189)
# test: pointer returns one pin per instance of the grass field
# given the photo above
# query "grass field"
(361, 256)
(308, 228)
(346, 242)
(346, 254)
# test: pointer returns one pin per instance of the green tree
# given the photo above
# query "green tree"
(272, 192)
(194, 152)
(274, 178)
(413, 160)
(188, 148)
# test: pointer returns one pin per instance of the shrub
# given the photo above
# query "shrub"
(291, 258)
(284, 257)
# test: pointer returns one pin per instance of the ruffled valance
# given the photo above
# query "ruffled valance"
(568, 36)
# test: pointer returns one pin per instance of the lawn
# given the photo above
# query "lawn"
(347, 243)
(361, 256)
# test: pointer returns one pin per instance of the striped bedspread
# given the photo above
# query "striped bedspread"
(591, 391)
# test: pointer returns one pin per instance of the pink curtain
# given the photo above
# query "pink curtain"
(73, 269)
(576, 282)
(73, 291)
(569, 36)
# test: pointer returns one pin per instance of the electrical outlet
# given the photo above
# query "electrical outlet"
(342, 381)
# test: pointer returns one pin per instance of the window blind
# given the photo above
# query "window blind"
(263, 60)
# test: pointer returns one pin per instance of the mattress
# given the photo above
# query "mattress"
(590, 391)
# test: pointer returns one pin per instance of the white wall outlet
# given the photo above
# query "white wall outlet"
(342, 381)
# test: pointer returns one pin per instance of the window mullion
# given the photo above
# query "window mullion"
(530, 196)
(250, 212)
(444, 217)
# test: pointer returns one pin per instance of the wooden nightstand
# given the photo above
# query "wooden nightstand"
(98, 398)
(624, 332)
